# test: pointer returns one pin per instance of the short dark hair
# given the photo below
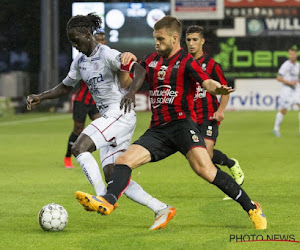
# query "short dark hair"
(195, 29)
(83, 24)
(170, 23)
(294, 48)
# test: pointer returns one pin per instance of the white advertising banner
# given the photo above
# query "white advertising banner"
(255, 94)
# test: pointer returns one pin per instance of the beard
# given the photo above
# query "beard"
(166, 52)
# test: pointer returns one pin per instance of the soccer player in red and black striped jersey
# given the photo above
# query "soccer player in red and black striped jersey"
(171, 73)
(210, 112)
(83, 105)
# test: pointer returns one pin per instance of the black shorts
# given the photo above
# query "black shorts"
(162, 141)
(81, 110)
(209, 130)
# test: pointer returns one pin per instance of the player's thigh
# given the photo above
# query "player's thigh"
(209, 130)
(110, 131)
(286, 98)
(210, 147)
(80, 110)
(157, 142)
(201, 163)
(134, 156)
(93, 112)
(186, 135)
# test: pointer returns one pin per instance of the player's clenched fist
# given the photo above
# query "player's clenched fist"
(32, 100)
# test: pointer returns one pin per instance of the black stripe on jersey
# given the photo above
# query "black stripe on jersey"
(206, 61)
(186, 85)
(159, 83)
(150, 75)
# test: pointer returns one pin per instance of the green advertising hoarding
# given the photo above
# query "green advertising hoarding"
(253, 57)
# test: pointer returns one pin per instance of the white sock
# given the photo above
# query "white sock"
(91, 170)
(136, 193)
(278, 120)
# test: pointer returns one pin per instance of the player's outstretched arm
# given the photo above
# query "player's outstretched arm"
(139, 74)
(286, 82)
(55, 92)
(215, 88)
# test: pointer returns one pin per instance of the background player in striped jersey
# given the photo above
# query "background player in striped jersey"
(210, 112)
(101, 68)
(288, 75)
(171, 72)
(83, 105)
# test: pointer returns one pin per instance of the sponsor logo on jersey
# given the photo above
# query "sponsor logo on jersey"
(200, 92)
(177, 64)
(93, 84)
(203, 66)
(152, 64)
(162, 95)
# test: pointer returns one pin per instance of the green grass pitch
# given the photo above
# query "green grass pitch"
(32, 148)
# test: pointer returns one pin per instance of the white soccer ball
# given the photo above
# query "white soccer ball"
(53, 217)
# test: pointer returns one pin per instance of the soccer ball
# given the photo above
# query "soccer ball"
(53, 217)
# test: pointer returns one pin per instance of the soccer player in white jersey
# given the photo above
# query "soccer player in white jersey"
(101, 68)
(288, 75)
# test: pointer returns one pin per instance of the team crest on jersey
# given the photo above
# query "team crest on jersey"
(177, 64)
(195, 138)
(96, 66)
(204, 66)
(162, 72)
(153, 64)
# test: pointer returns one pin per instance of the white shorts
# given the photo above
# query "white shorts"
(289, 96)
(111, 134)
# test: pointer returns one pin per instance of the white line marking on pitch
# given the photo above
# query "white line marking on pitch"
(39, 119)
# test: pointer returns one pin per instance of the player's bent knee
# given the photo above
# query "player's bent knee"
(123, 159)
(108, 170)
(83, 144)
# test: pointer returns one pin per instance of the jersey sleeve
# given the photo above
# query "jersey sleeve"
(196, 72)
(74, 74)
(283, 69)
(113, 60)
(218, 75)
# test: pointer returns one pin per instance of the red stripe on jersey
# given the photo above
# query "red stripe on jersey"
(180, 88)
(205, 107)
(83, 94)
(220, 74)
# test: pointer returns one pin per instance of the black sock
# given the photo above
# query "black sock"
(119, 180)
(222, 159)
(71, 141)
(228, 185)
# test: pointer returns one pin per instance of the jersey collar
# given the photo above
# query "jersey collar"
(95, 50)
